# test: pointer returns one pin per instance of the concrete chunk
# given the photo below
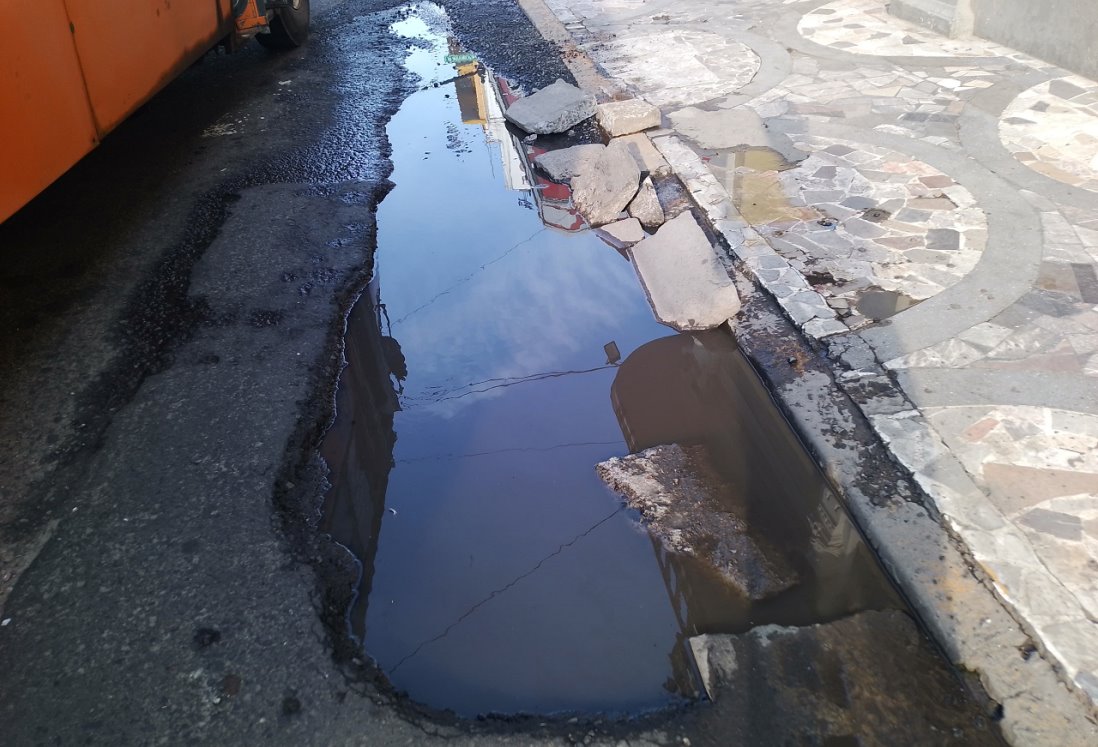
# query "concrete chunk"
(604, 190)
(680, 497)
(648, 158)
(567, 163)
(687, 286)
(627, 117)
(867, 679)
(556, 108)
(645, 207)
(622, 234)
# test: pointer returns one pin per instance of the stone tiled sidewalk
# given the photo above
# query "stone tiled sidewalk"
(928, 209)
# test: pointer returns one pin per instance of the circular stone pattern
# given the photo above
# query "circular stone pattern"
(859, 220)
(1040, 468)
(679, 68)
(865, 27)
(1053, 129)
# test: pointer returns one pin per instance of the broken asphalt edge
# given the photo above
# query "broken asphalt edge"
(933, 568)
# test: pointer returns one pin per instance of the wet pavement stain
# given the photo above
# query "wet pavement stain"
(498, 573)
(881, 304)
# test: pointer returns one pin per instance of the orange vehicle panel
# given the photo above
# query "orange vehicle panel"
(130, 49)
(44, 116)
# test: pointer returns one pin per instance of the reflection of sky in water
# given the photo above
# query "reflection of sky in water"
(501, 582)
(506, 576)
(458, 251)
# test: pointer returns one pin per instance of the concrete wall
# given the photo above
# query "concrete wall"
(1061, 31)
(1064, 32)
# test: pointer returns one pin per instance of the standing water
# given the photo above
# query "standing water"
(493, 362)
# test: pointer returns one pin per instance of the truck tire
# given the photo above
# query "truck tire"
(289, 27)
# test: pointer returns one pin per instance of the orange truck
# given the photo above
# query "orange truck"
(72, 70)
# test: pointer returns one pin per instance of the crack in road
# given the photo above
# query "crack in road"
(503, 589)
(493, 452)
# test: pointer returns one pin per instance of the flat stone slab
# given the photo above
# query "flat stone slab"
(732, 128)
(556, 108)
(645, 207)
(648, 158)
(565, 164)
(867, 679)
(686, 284)
(606, 187)
(622, 234)
(679, 496)
(627, 117)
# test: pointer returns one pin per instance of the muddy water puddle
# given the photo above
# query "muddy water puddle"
(492, 363)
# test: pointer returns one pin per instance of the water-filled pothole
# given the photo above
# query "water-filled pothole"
(492, 364)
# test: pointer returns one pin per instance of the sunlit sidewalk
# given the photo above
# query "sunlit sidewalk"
(928, 209)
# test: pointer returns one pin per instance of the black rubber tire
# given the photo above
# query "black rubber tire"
(289, 27)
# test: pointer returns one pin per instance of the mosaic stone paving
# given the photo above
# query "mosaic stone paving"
(906, 218)
(679, 68)
(865, 27)
(857, 219)
(1053, 129)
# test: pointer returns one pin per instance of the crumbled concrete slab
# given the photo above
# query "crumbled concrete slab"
(565, 164)
(686, 283)
(647, 156)
(645, 207)
(556, 108)
(627, 117)
(622, 234)
(867, 679)
(607, 186)
(683, 502)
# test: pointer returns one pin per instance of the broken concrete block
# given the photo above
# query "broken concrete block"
(645, 207)
(607, 187)
(838, 683)
(556, 108)
(567, 163)
(686, 284)
(627, 117)
(622, 234)
(681, 499)
(645, 154)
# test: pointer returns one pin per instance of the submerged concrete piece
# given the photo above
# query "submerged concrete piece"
(556, 108)
(645, 207)
(867, 679)
(687, 286)
(567, 163)
(622, 234)
(606, 186)
(681, 499)
(627, 117)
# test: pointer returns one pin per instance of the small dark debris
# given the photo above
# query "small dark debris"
(820, 278)
(230, 685)
(876, 215)
(206, 637)
(826, 222)
(291, 705)
(1028, 651)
